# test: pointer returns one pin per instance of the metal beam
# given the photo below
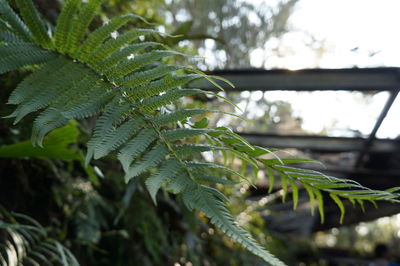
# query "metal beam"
(366, 79)
(320, 143)
(371, 138)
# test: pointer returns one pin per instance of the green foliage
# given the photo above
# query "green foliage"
(114, 75)
(54, 147)
(25, 242)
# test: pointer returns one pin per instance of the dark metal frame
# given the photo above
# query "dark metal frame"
(350, 79)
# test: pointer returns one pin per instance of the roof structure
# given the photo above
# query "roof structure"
(376, 162)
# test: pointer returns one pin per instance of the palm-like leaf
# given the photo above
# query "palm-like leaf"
(25, 242)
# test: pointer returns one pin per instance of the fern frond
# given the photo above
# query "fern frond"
(168, 170)
(64, 24)
(24, 241)
(284, 184)
(33, 21)
(164, 84)
(295, 193)
(320, 201)
(311, 195)
(183, 133)
(4, 26)
(35, 82)
(8, 15)
(213, 179)
(10, 38)
(271, 179)
(128, 86)
(140, 78)
(80, 24)
(96, 38)
(123, 54)
(200, 167)
(180, 182)
(58, 113)
(206, 200)
(117, 137)
(113, 45)
(155, 102)
(151, 159)
(112, 116)
(47, 121)
(339, 203)
(131, 65)
(21, 55)
(50, 90)
(186, 150)
(91, 103)
(135, 147)
(164, 119)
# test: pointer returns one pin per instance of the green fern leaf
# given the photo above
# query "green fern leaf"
(295, 192)
(182, 133)
(21, 55)
(186, 150)
(115, 112)
(361, 203)
(4, 26)
(64, 24)
(196, 167)
(153, 103)
(131, 65)
(204, 199)
(180, 182)
(135, 147)
(50, 91)
(214, 179)
(117, 137)
(53, 116)
(113, 45)
(33, 21)
(151, 159)
(328, 185)
(112, 116)
(271, 179)
(47, 121)
(96, 38)
(123, 54)
(283, 161)
(140, 78)
(339, 203)
(18, 27)
(90, 104)
(8, 38)
(27, 243)
(284, 181)
(165, 84)
(320, 201)
(164, 119)
(311, 195)
(168, 170)
(80, 24)
(127, 84)
(36, 81)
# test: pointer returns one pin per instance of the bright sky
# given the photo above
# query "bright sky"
(349, 33)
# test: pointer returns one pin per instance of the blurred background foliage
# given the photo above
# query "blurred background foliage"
(102, 220)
